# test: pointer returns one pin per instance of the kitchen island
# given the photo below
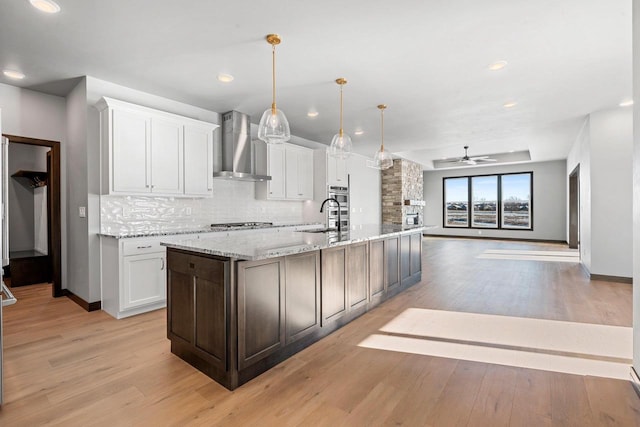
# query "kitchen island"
(237, 306)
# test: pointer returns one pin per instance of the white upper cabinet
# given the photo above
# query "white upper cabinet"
(167, 163)
(198, 172)
(337, 171)
(129, 150)
(276, 158)
(291, 170)
(299, 180)
(147, 151)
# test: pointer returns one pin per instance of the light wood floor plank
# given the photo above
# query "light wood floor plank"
(64, 366)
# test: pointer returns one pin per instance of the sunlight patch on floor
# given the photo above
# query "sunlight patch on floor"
(570, 347)
(524, 255)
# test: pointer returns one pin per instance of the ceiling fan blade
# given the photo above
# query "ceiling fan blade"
(449, 161)
(486, 160)
(479, 157)
(470, 162)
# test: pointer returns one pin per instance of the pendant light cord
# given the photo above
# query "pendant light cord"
(273, 75)
(341, 131)
(382, 130)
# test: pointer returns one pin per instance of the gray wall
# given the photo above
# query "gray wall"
(636, 186)
(603, 149)
(21, 195)
(549, 201)
(36, 115)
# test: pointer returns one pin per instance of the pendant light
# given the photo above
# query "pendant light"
(341, 146)
(382, 160)
(274, 127)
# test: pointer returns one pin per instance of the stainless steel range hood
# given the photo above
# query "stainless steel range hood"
(237, 149)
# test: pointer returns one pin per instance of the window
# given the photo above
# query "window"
(456, 196)
(500, 201)
(484, 191)
(516, 201)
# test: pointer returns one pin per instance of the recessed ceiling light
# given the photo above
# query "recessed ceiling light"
(225, 78)
(47, 6)
(627, 103)
(358, 132)
(498, 65)
(312, 114)
(510, 104)
(12, 74)
(511, 151)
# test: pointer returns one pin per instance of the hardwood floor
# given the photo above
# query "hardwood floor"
(64, 366)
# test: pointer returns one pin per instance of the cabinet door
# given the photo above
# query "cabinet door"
(416, 253)
(405, 258)
(336, 171)
(358, 274)
(391, 255)
(144, 281)
(276, 168)
(302, 301)
(376, 268)
(299, 173)
(334, 289)
(167, 159)
(198, 160)
(260, 316)
(130, 167)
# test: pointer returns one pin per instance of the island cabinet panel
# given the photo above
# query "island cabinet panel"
(405, 258)
(198, 293)
(358, 275)
(334, 285)
(302, 300)
(376, 270)
(392, 263)
(416, 254)
(260, 309)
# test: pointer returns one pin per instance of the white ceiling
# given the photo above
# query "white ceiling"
(426, 59)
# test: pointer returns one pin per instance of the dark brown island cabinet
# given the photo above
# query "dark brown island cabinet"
(235, 319)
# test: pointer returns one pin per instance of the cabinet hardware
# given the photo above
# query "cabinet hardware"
(162, 263)
(144, 247)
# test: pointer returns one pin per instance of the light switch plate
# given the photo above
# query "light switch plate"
(82, 211)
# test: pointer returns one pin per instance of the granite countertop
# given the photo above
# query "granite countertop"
(257, 246)
(204, 229)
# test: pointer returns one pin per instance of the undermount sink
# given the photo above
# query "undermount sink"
(320, 230)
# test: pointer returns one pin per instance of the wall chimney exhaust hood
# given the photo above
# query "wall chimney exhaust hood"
(237, 149)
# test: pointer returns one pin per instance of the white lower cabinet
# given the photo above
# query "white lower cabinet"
(134, 275)
(144, 280)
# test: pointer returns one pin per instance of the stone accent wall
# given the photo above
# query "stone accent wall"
(403, 181)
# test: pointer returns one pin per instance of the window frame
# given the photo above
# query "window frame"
(499, 206)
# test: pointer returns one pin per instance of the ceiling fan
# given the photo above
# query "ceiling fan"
(469, 160)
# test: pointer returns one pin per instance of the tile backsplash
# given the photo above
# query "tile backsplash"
(232, 201)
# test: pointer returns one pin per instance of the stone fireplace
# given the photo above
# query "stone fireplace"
(402, 193)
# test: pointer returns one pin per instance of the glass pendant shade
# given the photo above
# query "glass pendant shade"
(274, 127)
(341, 146)
(382, 159)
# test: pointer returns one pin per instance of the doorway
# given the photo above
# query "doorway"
(574, 208)
(53, 238)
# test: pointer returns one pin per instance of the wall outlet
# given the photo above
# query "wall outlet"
(82, 211)
(479, 231)
(188, 211)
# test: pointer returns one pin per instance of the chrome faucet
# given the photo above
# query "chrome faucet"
(335, 200)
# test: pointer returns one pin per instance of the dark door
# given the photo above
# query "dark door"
(574, 208)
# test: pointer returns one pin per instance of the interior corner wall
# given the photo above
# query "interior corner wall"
(636, 186)
(580, 155)
(36, 115)
(611, 142)
(77, 229)
(549, 201)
